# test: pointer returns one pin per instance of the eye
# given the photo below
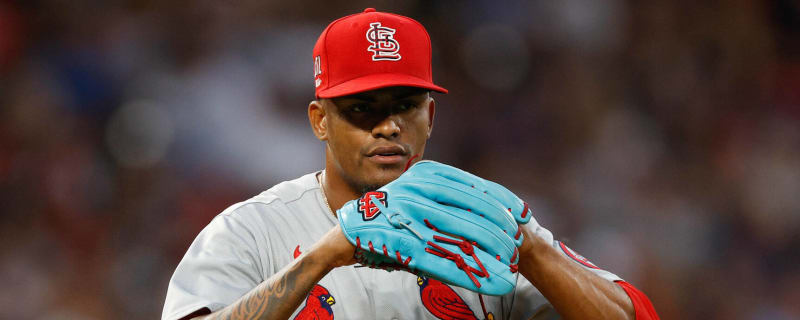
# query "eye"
(405, 106)
(359, 107)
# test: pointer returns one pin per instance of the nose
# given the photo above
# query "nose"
(387, 128)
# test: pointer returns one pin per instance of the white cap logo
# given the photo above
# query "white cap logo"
(383, 45)
(317, 71)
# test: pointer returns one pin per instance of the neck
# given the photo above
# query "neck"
(336, 190)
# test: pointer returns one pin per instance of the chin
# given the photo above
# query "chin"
(380, 178)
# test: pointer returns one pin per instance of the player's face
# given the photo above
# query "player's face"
(372, 135)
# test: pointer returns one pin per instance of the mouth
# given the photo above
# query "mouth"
(387, 155)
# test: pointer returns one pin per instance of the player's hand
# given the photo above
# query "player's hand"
(441, 222)
(493, 191)
(334, 248)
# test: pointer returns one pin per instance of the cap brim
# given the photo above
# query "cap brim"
(377, 81)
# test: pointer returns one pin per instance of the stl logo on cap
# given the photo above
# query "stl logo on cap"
(383, 45)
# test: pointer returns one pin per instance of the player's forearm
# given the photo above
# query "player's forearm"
(281, 294)
(573, 291)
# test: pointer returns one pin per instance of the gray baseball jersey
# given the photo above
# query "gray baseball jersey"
(252, 240)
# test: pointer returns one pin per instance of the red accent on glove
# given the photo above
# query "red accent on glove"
(459, 261)
(408, 164)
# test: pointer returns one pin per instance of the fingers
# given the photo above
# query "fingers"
(468, 199)
(430, 169)
(454, 223)
(457, 223)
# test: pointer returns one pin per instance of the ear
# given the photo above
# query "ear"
(317, 117)
(431, 113)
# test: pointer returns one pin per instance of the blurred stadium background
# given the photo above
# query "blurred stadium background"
(659, 138)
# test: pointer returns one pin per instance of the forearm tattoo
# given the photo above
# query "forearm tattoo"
(275, 298)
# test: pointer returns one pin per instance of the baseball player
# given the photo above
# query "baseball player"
(291, 252)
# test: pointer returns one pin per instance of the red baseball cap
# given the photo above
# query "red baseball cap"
(372, 50)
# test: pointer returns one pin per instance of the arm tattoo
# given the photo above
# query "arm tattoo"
(277, 297)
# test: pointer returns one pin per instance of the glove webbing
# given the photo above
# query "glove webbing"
(459, 261)
(466, 247)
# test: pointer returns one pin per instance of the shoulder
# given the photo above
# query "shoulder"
(288, 191)
(279, 198)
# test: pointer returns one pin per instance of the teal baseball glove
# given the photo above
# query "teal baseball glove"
(441, 222)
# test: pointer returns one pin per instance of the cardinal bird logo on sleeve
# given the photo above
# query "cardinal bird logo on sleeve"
(319, 303)
(442, 301)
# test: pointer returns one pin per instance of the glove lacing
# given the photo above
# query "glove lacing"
(387, 262)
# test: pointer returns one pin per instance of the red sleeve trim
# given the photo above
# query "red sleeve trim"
(641, 304)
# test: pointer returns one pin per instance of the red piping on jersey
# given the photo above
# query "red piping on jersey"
(642, 306)
(483, 307)
(569, 253)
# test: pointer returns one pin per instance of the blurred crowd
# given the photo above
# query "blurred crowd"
(661, 139)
